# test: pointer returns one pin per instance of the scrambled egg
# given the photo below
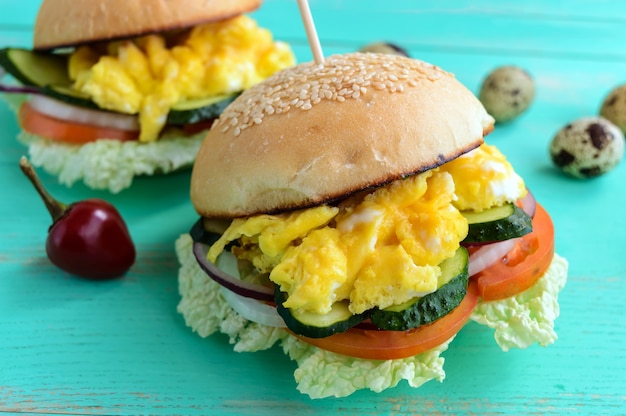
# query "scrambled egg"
(484, 179)
(150, 74)
(376, 250)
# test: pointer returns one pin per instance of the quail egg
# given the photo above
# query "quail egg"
(507, 92)
(384, 47)
(614, 107)
(587, 147)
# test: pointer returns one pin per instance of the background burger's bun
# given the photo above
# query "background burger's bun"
(313, 133)
(62, 23)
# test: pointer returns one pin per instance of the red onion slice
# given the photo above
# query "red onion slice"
(489, 254)
(529, 204)
(13, 89)
(16, 89)
(253, 310)
(63, 111)
(240, 287)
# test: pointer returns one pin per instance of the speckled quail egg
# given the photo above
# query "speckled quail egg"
(614, 107)
(384, 47)
(587, 147)
(507, 92)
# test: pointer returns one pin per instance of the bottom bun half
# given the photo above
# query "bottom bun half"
(519, 322)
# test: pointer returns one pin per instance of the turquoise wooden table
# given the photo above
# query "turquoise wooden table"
(70, 346)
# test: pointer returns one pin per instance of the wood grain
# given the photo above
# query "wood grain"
(69, 346)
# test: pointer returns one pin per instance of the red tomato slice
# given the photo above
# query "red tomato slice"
(52, 128)
(522, 266)
(374, 344)
(197, 127)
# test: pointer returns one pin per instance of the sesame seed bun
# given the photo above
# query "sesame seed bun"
(62, 23)
(315, 133)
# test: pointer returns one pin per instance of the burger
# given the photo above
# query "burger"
(120, 89)
(352, 212)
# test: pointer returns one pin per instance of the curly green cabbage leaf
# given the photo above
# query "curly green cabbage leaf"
(320, 373)
(527, 318)
(111, 164)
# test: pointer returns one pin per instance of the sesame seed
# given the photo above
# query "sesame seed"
(378, 85)
(338, 78)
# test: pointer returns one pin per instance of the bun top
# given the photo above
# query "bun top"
(314, 133)
(62, 23)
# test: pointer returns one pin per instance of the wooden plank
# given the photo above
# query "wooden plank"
(70, 346)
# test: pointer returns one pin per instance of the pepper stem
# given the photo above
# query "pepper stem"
(56, 208)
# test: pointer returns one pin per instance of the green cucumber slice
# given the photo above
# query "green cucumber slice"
(36, 69)
(188, 112)
(497, 224)
(48, 71)
(426, 309)
(314, 325)
(70, 96)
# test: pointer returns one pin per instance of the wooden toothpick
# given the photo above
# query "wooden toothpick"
(311, 33)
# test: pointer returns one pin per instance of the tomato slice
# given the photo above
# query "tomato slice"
(522, 266)
(52, 128)
(375, 344)
(197, 127)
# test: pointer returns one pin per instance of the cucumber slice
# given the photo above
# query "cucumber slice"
(188, 112)
(426, 309)
(497, 224)
(48, 71)
(315, 325)
(36, 69)
(70, 96)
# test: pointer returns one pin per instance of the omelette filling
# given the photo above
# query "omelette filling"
(375, 250)
(150, 74)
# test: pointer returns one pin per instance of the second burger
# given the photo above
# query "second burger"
(121, 88)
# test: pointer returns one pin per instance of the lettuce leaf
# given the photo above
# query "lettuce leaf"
(111, 164)
(527, 318)
(320, 373)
